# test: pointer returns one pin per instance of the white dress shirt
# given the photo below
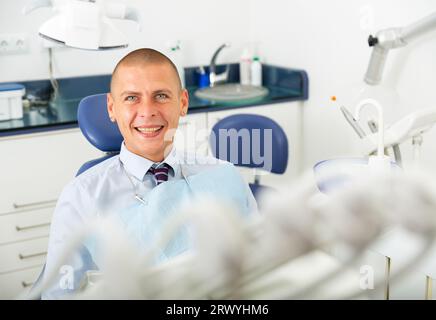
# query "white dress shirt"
(106, 187)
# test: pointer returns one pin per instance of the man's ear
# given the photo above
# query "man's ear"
(110, 107)
(184, 102)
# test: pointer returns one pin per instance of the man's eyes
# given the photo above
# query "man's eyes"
(131, 98)
(162, 96)
(158, 97)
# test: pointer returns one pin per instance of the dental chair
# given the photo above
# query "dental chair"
(96, 126)
(279, 146)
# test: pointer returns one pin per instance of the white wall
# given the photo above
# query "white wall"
(201, 26)
(326, 38)
(329, 40)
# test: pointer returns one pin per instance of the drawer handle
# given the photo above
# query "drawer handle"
(18, 228)
(32, 204)
(26, 284)
(24, 256)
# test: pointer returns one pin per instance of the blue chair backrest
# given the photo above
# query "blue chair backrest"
(96, 126)
(251, 125)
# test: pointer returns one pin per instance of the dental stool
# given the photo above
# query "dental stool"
(96, 126)
(278, 147)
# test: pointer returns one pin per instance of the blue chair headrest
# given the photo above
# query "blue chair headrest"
(258, 143)
(95, 124)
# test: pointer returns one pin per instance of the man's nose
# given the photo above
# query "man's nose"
(146, 108)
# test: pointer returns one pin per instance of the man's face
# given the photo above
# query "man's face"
(146, 103)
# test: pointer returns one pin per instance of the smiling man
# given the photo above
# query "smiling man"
(144, 186)
(146, 100)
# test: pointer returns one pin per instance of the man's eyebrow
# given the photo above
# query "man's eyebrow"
(130, 93)
(168, 91)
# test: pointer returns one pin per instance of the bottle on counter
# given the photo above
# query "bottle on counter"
(256, 72)
(203, 77)
(245, 68)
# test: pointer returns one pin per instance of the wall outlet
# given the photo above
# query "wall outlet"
(14, 43)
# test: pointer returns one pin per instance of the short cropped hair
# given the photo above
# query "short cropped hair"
(145, 56)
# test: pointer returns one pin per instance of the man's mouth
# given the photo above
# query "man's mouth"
(149, 132)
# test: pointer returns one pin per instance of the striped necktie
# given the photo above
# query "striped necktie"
(160, 172)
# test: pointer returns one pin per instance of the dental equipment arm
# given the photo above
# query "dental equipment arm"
(372, 124)
(408, 127)
(36, 4)
(390, 39)
(373, 127)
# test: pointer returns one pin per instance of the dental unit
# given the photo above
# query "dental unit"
(392, 38)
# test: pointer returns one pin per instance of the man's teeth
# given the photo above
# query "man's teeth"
(148, 129)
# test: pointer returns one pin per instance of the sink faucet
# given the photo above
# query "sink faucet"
(217, 78)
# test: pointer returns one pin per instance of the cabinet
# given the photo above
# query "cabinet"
(33, 168)
(19, 282)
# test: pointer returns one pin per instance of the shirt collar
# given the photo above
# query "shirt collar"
(138, 166)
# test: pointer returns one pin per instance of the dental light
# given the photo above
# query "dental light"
(84, 24)
(390, 39)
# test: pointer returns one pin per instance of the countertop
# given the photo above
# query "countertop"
(283, 84)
